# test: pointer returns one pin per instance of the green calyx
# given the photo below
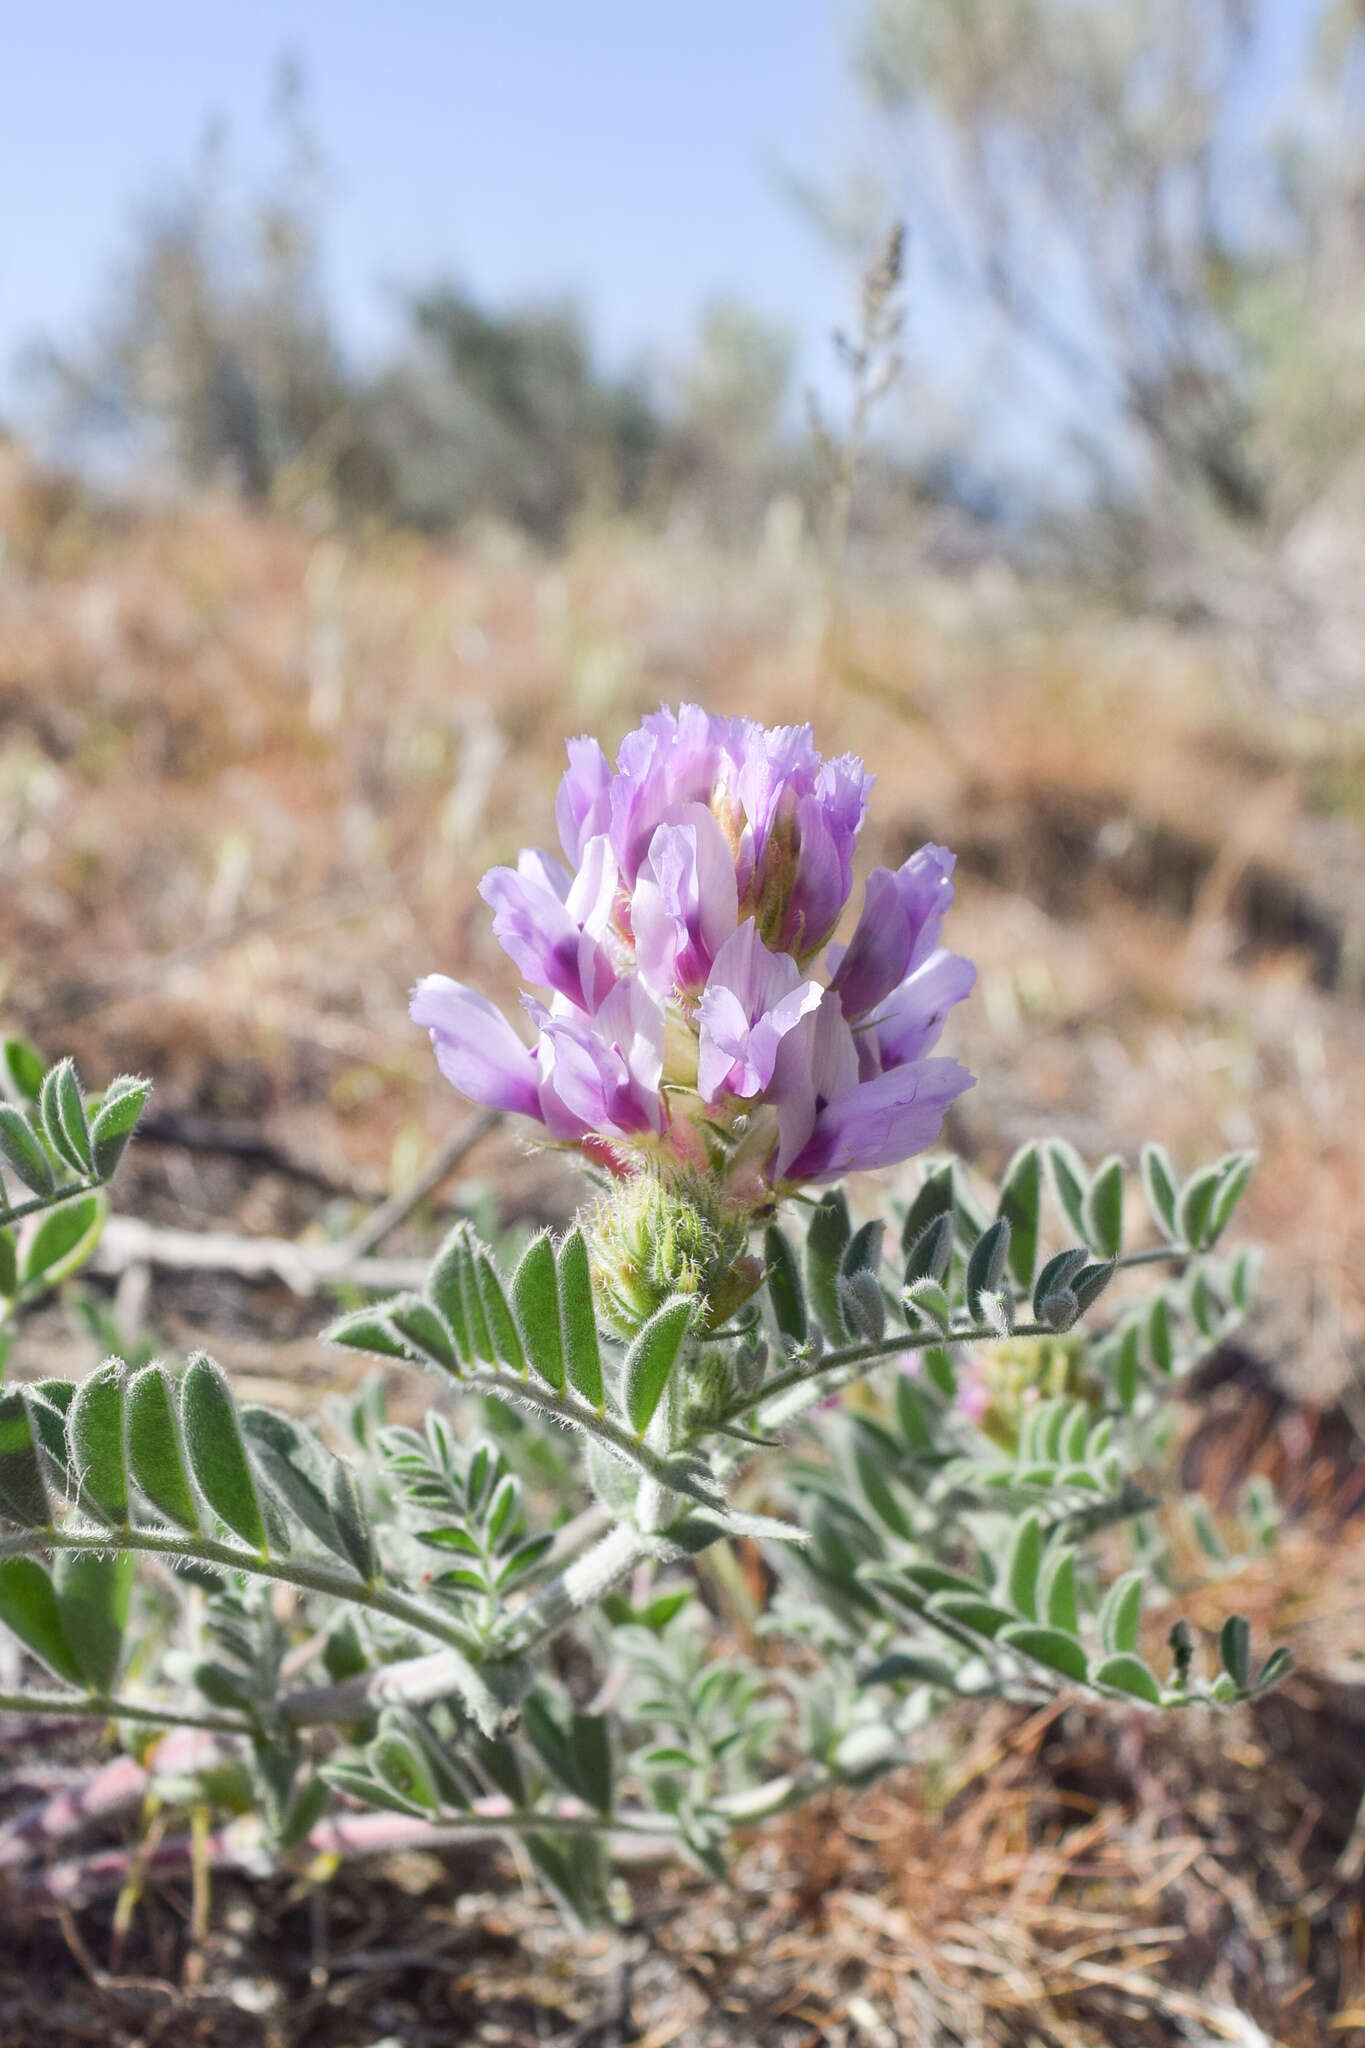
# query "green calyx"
(653, 1237)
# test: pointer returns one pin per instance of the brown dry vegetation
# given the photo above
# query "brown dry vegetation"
(248, 779)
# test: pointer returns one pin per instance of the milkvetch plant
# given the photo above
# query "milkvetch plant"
(662, 1378)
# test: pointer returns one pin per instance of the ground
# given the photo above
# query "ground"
(248, 778)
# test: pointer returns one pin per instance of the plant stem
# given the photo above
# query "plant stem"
(105, 1707)
(581, 1584)
(37, 1203)
(859, 1355)
(567, 1408)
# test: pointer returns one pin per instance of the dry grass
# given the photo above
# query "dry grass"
(247, 783)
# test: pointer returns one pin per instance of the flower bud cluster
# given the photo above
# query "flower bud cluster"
(692, 1015)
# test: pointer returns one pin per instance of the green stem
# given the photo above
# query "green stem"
(314, 1578)
(37, 1203)
(566, 1408)
(105, 1707)
(858, 1355)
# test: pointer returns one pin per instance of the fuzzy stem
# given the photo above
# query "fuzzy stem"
(314, 1578)
(859, 1356)
(581, 1584)
(568, 1408)
(107, 1707)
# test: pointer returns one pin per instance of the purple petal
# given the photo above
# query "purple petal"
(602, 1073)
(545, 935)
(910, 1020)
(881, 1121)
(685, 904)
(476, 1048)
(583, 803)
(753, 999)
(902, 916)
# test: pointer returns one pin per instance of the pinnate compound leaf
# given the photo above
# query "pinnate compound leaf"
(23, 1152)
(94, 1590)
(651, 1358)
(217, 1454)
(535, 1298)
(155, 1455)
(94, 1429)
(28, 1608)
(578, 1314)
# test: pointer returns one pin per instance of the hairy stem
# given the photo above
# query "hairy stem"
(108, 1707)
(567, 1408)
(314, 1578)
(855, 1358)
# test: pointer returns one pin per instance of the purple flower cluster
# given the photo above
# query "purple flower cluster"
(680, 1021)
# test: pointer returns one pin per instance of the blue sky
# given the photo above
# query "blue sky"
(620, 152)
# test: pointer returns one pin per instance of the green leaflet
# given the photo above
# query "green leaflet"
(1048, 1646)
(826, 1242)
(62, 1242)
(784, 1285)
(535, 1298)
(94, 1590)
(1127, 1673)
(155, 1455)
(23, 1152)
(23, 1492)
(1020, 1201)
(124, 1101)
(63, 1113)
(582, 1353)
(651, 1359)
(1103, 1209)
(94, 1428)
(506, 1338)
(28, 1608)
(217, 1455)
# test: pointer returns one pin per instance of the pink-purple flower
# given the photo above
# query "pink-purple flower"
(677, 949)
